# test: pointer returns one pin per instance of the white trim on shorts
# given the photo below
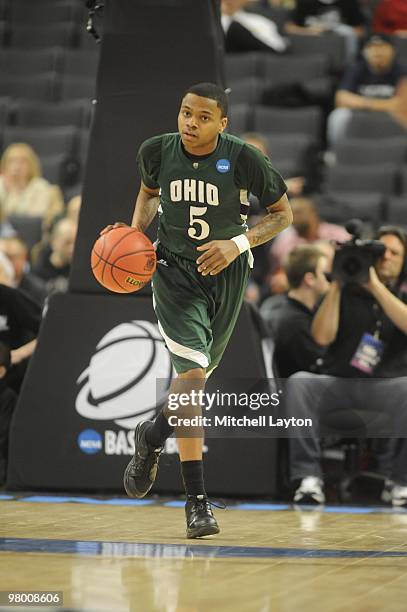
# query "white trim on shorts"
(180, 350)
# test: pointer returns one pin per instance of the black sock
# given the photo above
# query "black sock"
(159, 432)
(192, 475)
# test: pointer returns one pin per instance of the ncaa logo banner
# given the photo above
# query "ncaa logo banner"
(122, 381)
(94, 375)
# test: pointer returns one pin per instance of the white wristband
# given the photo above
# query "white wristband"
(242, 243)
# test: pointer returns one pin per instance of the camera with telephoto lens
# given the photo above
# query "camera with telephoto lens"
(354, 258)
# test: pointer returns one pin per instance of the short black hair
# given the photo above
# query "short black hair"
(5, 356)
(212, 91)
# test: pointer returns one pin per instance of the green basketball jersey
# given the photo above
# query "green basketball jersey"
(205, 198)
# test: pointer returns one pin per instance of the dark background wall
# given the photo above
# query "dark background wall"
(151, 52)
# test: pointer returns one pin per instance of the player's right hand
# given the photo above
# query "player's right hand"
(113, 226)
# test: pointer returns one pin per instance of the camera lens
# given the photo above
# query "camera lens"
(352, 266)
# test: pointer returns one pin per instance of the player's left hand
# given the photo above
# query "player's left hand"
(218, 254)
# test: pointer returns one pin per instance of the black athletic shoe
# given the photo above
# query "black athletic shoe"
(200, 520)
(141, 472)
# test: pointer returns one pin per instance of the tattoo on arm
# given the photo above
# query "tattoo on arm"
(145, 211)
(271, 225)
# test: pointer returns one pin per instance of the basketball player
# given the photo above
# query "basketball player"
(198, 179)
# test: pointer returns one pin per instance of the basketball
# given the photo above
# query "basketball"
(123, 260)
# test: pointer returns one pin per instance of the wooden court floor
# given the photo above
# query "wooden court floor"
(136, 558)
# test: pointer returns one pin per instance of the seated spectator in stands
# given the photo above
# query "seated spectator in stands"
(390, 16)
(6, 229)
(377, 82)
(362, 391)
(20, 319)
(8, 400)
(248, 31)
(73, 208)
(316, 17)
(23, 191)
(295, 348)
(54, 263)
(7, 274)
(319, 16)
(17, 251)
(295, 184)
(257, 288)
(307, 228)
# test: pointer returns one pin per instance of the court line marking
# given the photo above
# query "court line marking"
(146, 549)
(122, 501)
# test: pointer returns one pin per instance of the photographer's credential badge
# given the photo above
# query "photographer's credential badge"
(368, 354)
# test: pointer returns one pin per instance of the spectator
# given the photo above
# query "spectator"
(23, 191)
(258, 288)
(7, 274)
(316, 17)
(376, 83)
(17, 251)
(295, 348)
(307, 228)
(8, 400)
(73, 208)
(20, 319)
(54, 263)
(363, 391)
(319, 16)
(6, 229)
(390, 16)
(248, 31)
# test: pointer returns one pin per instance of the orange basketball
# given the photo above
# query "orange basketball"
(123, 260)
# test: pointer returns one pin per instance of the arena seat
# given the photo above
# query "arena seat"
(373, 125)
(36, 114)
(303, 120)
(401, 45)
(45, 141)
(330, 45)
(4, 5)
(360, 151)
(5, 112)
(72, 87)
(339, 207)
(3, 31)
(38, 87)
(240, 118)
(53, 168)
(29, 228)
(15, 62)
(369, 179)
(60, 34)
(242, 65)
(287, 146)
(294, 69)
(397, 210)
(39, 12)
(246, 91)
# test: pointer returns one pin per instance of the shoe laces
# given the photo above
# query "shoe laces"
(202, 502)
(141, 462)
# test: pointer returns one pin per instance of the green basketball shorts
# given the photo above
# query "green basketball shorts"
(196, 314)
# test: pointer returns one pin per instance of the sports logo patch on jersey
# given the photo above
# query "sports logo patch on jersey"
(223, 165)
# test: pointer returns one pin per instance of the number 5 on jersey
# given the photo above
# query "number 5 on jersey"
(199, 228)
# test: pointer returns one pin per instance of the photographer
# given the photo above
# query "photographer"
(363, 390)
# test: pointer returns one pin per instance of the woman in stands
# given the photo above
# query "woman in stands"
(23, 191)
